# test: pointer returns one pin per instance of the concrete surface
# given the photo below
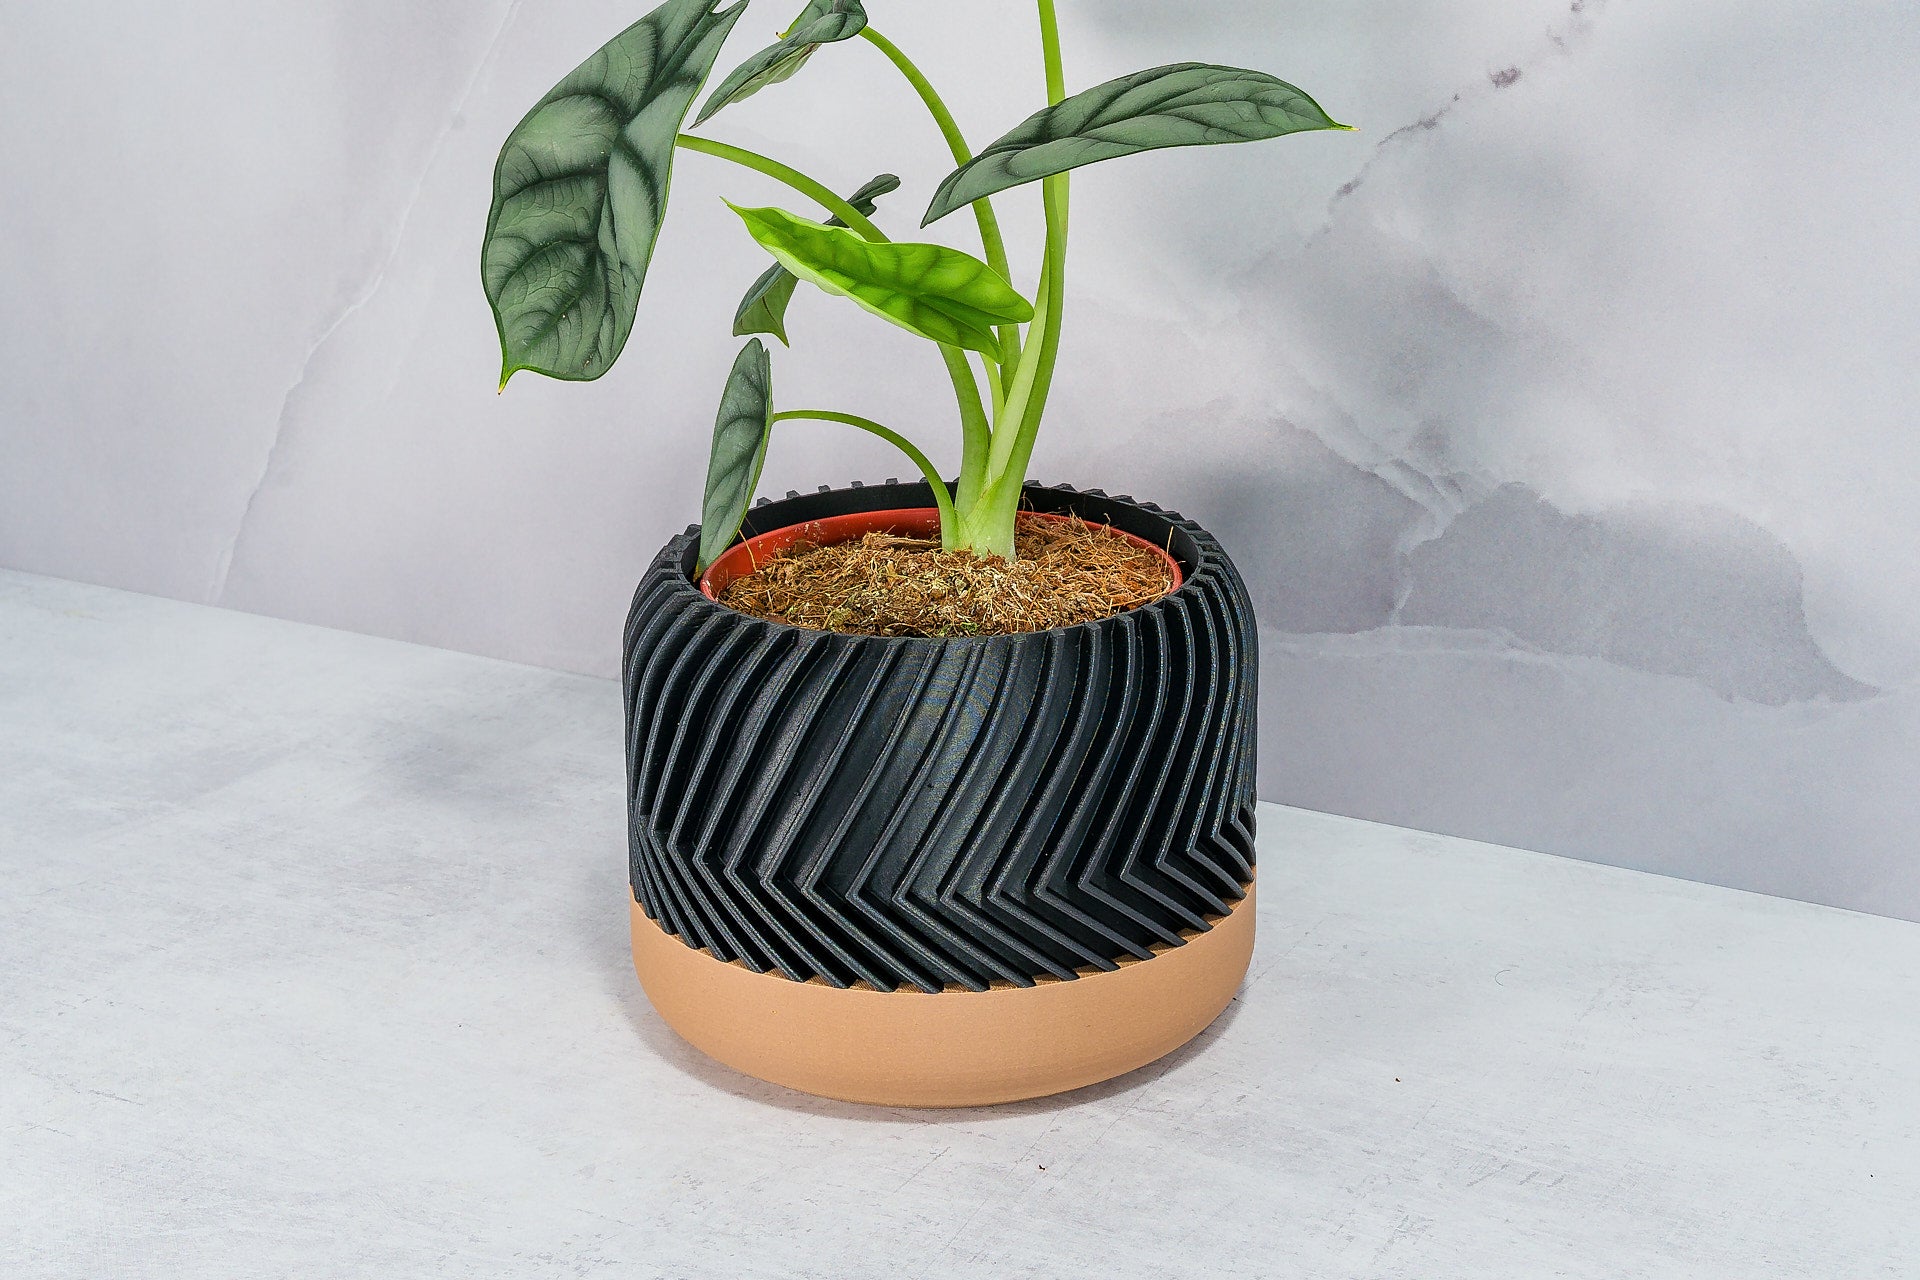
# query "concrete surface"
(313, 962)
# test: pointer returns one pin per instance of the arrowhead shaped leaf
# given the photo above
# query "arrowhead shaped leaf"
(823, 22)
(1187, 104)
(580, 188)
(927, 289)
(764, 309)
(739, 449)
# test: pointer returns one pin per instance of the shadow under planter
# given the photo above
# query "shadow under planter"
(942, 872)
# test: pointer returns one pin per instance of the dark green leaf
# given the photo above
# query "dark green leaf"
(580, 188)
(815, 10)
(739, 449)
(927, 289)
(1185, 105)
(823, 22)
(764, 309)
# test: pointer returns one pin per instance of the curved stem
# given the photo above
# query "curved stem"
(814, 191)
(996, 388)
(996, 384)
(949, 525)
(990, 239)
(1013, 466)
(990, 524)
(1033, 379)
(1050, 51)
(1020, 387)
(976, 430)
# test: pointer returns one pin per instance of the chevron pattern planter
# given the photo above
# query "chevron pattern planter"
(933, 826)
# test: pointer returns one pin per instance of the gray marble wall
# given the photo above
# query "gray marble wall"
(1563, 418)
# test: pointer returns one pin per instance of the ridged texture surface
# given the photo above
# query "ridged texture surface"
(941, 813)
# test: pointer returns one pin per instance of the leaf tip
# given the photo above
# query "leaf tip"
(742, 331)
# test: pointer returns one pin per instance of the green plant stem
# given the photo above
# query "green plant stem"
(976, 430)
(976, 433)
(1020, 389)
(995, 384)
(1013, 469)
(1050, 52)
(949, 523)
(989, 524)
(814, 191)
(1054, 198)
(990, 239)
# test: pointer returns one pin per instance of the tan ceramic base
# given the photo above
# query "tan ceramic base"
(956, 1048)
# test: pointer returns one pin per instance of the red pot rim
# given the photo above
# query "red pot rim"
(744, 558)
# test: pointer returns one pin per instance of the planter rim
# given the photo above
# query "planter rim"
(1200, 559)
(745, 557)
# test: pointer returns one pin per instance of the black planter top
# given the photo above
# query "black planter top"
(942, 812)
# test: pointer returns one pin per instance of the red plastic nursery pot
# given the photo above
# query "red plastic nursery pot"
(940, 872)
(744, 557)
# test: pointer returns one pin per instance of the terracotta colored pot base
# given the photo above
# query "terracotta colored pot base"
(909, 1048)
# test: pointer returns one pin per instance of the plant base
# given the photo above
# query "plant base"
(909, 1048)
(831, 575)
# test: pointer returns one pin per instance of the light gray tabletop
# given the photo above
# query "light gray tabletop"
(313, 962)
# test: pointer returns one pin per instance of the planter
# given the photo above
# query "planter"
(942, 872)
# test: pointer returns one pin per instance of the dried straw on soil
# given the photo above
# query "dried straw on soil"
(887, 585)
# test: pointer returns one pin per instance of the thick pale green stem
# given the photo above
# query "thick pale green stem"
(976, 430)
(949, 523)
(819, 193)
(990, 239)
(988, 525)
(1050, 54)
(1020, 388)
(1013, 469)
(994, 385)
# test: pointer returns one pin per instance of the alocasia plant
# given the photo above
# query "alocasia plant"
(581, 188)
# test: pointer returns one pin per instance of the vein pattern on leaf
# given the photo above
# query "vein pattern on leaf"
(580, 189)
(928, 289)
(1186, 104)
(764, 308)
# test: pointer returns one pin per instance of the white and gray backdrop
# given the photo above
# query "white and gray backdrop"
(1563, 419)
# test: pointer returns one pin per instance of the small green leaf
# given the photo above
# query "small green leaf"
(739, 450)
(823, 22)
(580, 188)
(764, 309)
(927, 289)
(1187, 104)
